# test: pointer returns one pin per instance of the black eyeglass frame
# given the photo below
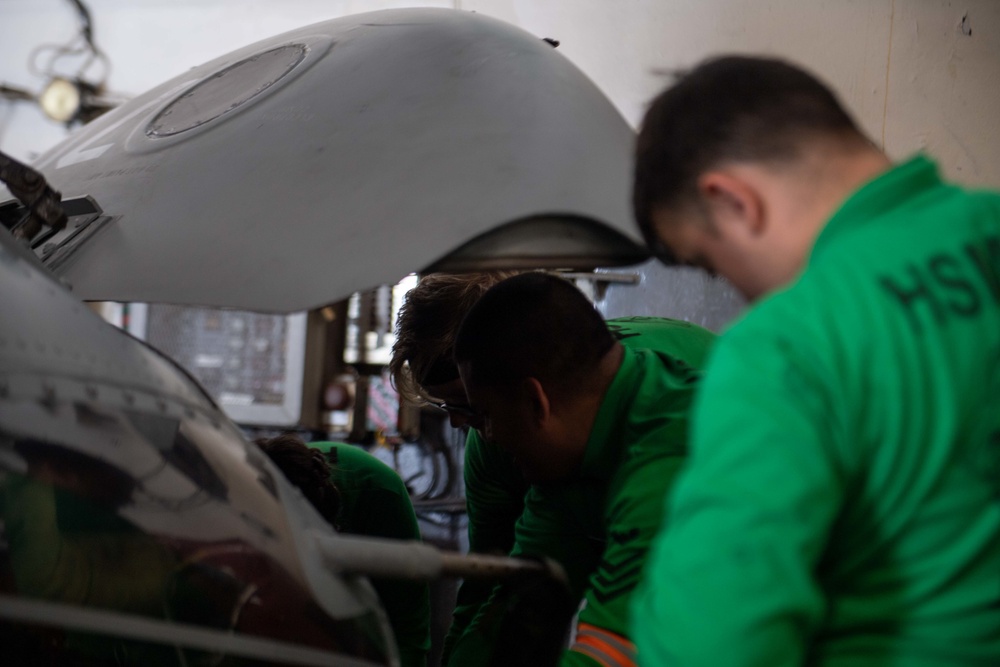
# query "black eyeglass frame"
(462, 410)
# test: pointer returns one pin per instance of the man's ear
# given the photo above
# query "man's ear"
(730, 198)
(538, 400)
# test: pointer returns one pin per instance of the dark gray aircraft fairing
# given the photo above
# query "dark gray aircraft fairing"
(137, 521)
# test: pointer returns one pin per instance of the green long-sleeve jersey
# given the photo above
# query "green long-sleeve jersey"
(374, 502)
(579, 523)
(494, 486)
(841, 504)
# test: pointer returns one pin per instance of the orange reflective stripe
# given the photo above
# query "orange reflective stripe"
(619, 642)
(607, 648)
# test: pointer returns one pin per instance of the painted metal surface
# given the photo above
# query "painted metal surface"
(127, 491)
(678, 292)
(295, 171)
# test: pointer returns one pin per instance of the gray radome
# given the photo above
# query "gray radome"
(346, 154)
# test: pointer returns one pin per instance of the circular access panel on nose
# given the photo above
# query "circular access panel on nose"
(226, 90)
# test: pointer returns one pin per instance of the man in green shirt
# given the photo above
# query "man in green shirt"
(359, 495)
(494, 486)
(842, 501)
(597, 429)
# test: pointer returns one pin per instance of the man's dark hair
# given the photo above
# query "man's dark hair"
(533, 325)
(730, 108)
(306, 468)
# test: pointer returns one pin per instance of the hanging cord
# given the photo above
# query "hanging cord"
(82, 44)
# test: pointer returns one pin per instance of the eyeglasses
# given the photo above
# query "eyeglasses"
(461, 410)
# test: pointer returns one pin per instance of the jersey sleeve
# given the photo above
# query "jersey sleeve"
(730, 579)
(601, 572)
(542, 530)
(634, 516)
(494, 493)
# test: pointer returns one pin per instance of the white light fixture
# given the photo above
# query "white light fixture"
(61, 100)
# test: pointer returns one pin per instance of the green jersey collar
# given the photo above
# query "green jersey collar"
(879, 196)
(600, 460)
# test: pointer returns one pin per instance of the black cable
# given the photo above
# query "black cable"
(15, 94)
(82, 43)
(88, 25)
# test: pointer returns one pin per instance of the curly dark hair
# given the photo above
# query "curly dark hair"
(307, 469)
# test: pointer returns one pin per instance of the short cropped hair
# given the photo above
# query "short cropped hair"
(733, 108)
(534, 325)
(426, 327)
(307, 469)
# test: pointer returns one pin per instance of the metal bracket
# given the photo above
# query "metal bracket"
(84, 218)
(32, 190)
(594, 285)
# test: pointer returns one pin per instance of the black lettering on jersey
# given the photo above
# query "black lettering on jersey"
(948, 284)
(612, 570)
(621, 333)
(985, 257)
(622, 536)
(609, 585)
(614, 579)
(964, 300)
(680, 369)
(914, 292)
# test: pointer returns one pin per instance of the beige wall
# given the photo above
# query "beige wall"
(913, 77)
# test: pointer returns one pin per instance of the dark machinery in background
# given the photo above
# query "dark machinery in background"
(321, 374)
(75, 75)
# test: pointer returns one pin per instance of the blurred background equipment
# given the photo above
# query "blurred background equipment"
(75, 75)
